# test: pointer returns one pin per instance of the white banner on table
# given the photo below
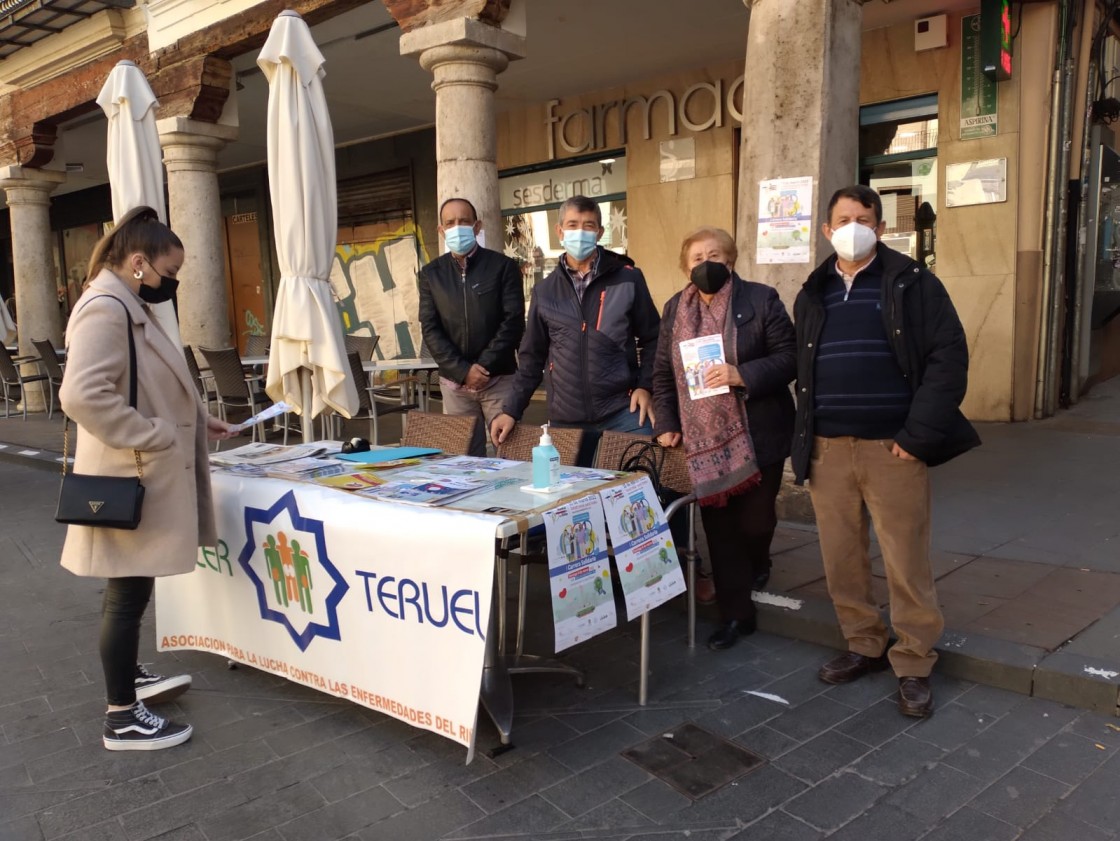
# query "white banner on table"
(382, 604)
(643, 546)
(579, 571)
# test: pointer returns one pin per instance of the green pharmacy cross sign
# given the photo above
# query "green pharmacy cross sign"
(995, 39)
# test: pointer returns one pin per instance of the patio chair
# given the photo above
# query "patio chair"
(371, 407)
(450, 433)
(12, 378)
(364, 346)
(207, 394)
(50, 363)
(235, 389)
(257, 345)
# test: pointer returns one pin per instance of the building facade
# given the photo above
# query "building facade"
(745, 115)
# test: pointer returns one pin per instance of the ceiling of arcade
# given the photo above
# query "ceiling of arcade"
(572, 46)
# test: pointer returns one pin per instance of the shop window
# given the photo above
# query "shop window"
(898, 159)
(531, 198)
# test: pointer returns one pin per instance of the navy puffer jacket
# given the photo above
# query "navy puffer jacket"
(587, 352)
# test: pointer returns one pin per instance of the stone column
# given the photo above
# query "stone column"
(27, 192)
(465, 56)
(190, 152)
(800, 118)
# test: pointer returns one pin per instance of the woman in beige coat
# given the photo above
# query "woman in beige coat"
(134, 265)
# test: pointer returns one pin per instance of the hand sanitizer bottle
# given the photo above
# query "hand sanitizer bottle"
(546, 462)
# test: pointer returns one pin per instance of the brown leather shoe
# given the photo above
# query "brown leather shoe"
(915, 698)
(849, 666)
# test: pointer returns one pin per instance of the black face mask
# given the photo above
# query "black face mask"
(709, 277)
(158, 294)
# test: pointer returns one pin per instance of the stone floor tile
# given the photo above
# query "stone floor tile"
(967, 824)
(593, 747)
(884, 821)
(820, 757)
(433, 819)
(876, 724)
(899, 760)
(934, 793)
(593, 786)
(835, 801)
(507, 786)
(1021, 797)
(1064, 827)
(951, 726)
(778, 826)
(1068, 757)
(534, 815)
(994, 577)
(812, 717)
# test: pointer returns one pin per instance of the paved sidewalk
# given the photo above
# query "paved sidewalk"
(1027, 553)
(273, 761)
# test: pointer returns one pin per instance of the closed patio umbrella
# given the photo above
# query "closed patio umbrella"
(307, 365)
(134, 157)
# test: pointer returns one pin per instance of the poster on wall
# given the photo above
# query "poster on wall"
(579, 571)
(785, 216)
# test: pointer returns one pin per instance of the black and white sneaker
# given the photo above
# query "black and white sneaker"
(157, 689)
(138, 728)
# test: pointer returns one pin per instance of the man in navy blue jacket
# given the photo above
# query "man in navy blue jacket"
(881, 371)
(592, 334)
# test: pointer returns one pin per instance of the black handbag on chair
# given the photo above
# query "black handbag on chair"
(111, 502)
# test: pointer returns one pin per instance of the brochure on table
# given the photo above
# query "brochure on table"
(579, 571)
(644, 554)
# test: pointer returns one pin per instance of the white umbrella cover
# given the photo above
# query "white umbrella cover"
(306, 328)
(134, 157)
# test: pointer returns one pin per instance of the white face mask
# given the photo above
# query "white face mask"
(853, 242)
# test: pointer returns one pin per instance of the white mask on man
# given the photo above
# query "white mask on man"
(854, 242)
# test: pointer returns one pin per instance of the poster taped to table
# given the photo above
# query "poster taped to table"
(644, 554)
(343, 595)
(579, 572)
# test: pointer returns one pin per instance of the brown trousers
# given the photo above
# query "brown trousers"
(855, 482)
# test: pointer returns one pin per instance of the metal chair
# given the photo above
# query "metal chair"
(370, 405)
(450, 433)
(11, 377)
(50, 363)
(234, 388)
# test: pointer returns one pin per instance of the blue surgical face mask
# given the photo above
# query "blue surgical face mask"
(460, 239)
(579, 243)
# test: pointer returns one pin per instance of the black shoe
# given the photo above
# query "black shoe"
(729, 634)
(157, 689)
(138, 728)
(915, 698)
(761, 580)
(850, 666)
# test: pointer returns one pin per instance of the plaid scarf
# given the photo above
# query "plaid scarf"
(717, 441)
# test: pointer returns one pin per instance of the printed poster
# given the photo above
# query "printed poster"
(785, 218)
(697, 356)
(644, 553)
(579, 571)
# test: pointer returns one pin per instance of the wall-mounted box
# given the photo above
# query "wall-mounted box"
(930, 33)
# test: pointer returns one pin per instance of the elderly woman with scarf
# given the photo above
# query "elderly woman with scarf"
(735, 442)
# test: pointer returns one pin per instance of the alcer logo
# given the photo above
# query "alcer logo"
(285, 556)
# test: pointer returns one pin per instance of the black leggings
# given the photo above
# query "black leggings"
(121, 612)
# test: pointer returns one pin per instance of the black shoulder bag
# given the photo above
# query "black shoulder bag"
(111, 502)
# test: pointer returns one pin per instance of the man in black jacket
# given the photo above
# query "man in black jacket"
(472, 314)
(588, 321)
(881, 371)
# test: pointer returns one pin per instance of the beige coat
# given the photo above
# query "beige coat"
(168, 426)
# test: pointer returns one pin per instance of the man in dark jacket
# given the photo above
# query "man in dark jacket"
(589, 323)
(472, 314)
(882, 368)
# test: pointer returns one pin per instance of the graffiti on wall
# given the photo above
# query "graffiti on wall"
(374, 281)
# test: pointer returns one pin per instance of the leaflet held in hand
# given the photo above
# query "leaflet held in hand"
(697, 356)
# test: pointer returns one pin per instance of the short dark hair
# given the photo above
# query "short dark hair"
(864, 195)
(456, 198)
(580, 204)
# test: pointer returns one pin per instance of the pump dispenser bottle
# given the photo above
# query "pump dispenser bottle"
(546, 462)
